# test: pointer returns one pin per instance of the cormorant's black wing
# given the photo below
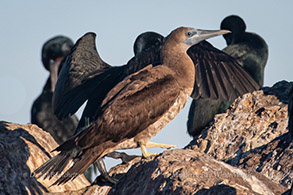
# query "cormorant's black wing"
(104, 82)
(82, 64)
(218, 75)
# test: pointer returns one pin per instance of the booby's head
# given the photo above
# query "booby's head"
(53, 52)
(188, 37)
(237, 27)
(147, 40)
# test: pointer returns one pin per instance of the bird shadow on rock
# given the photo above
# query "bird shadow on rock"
(281, 90)
(218, 189)
(139, 179)
(283, 143)
(16, 176)
(263, 155)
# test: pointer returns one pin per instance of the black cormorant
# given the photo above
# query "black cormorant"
(53, 52)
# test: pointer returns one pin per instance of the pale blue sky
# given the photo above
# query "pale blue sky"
(26, 25)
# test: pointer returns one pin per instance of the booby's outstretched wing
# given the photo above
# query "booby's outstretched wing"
(218, 75)
(83, 63)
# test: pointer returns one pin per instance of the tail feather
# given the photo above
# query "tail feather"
(80, 165)
(53, 166)
(82, 158)
(58, 163)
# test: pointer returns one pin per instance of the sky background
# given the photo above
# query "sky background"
(26, 25)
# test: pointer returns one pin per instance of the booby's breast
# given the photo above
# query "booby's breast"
(156, 127)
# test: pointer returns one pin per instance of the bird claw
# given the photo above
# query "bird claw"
(168, 146)
(149, 154)
(153, 145)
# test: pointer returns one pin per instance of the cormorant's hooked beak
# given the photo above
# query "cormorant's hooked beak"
(54, 67)
(197, 35)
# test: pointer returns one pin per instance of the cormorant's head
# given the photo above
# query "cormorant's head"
(237, 27)
(53, 52)
(55, 49)
(147, 40)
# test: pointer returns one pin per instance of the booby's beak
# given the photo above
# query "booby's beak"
(197, 35)
(54, 67)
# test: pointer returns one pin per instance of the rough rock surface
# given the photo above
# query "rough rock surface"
(101, 188)
(253, 134)
(23, 148)
(189, 172)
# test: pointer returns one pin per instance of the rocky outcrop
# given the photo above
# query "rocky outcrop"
(253, 134)
(189, 172)
(23, 148)
(99, 186)
(247, 150)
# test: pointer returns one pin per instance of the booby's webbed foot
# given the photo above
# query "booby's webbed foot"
(158, 145)
(121, 155)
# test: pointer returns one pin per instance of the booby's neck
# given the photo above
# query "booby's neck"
(175, 57)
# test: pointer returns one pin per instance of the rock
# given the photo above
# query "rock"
(189, 172)
(253, 134)
(100, 187)
(23, 148)
(274, 160)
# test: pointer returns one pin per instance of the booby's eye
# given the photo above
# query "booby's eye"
(189, 33)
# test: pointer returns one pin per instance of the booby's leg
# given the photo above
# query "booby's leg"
(144, 151)
(100, 165)
(154, 145)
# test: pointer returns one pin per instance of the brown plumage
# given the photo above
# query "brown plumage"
(137, 107)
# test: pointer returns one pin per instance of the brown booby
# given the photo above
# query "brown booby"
(141, 105)
(69, 87)
(53, 52)
(251, 52)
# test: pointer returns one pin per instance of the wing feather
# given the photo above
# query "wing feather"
(82, 64)
(218, 75)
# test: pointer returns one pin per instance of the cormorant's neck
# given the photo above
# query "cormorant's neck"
(176, 58)
(48, 86)
(233, 38)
